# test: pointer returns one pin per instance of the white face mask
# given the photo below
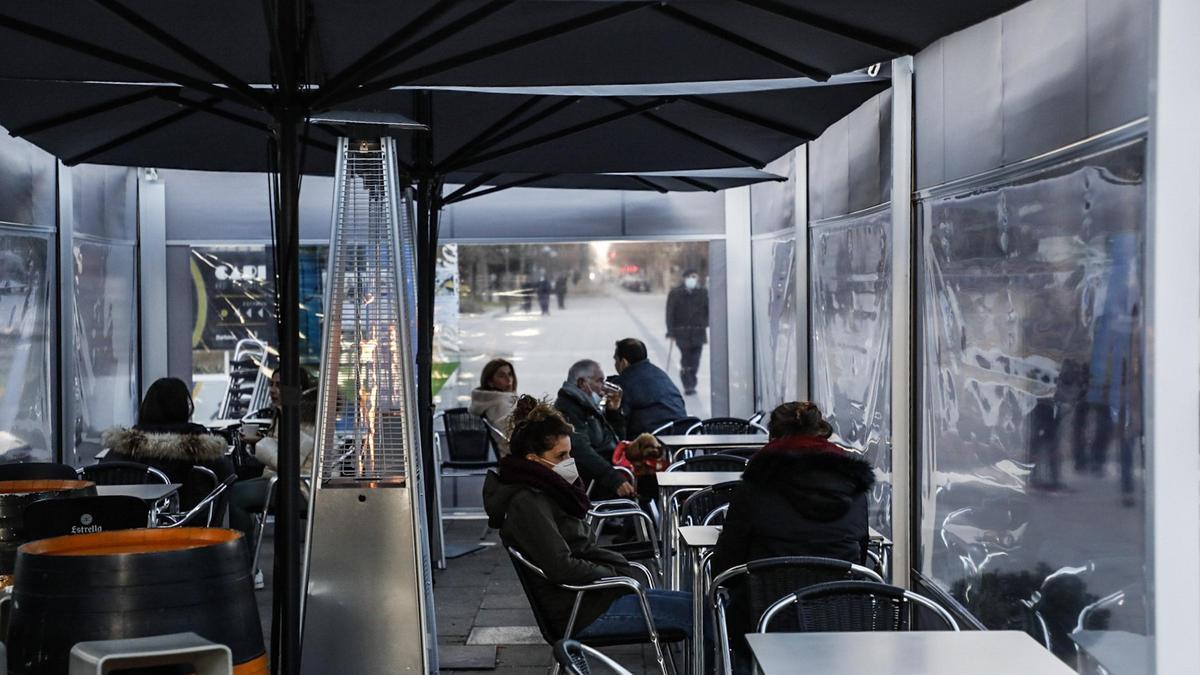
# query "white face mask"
(596, 399)
(691, 283)
(566, 470)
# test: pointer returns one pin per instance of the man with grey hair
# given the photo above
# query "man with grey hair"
(594, 408)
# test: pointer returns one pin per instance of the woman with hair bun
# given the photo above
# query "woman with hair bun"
(799, 495)
(537, 502)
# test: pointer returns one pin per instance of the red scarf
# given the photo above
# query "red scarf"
(802, 445)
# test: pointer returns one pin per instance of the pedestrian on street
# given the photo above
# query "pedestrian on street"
(544, 289)
(560, 290)
(687, 324)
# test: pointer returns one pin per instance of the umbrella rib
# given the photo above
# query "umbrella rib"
(176, 45)
(740, 41)
(495, 128)
(767, 123)
(489, 141)
(83, 113)
(697, 183)
(244, 121)
(139, 132)
(471, 185)
(377, 61)
(506, 186)
(832, 26)
(700, 138)
(506, 45)
(567, 131)
(116, 58)
(650, 184)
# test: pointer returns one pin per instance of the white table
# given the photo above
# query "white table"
(712, 442)
(696, 538)
(670, 482)
(904, 653)
(148, 492)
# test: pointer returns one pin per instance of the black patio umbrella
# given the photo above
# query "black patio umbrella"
(470, 186)
(318, 55)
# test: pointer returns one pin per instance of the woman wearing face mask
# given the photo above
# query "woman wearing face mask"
(537, 502)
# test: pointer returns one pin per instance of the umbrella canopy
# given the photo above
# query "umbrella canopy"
(472, 131)
(375, 44)
(471, 186)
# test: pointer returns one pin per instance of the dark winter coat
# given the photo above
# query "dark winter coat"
(174, 450)
(650, 399)
(559, 543)
(687, 315)
(799, 495)
(596, 436)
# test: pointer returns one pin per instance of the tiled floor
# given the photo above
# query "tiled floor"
(480, 605)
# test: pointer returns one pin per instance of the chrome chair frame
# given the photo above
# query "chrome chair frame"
(764, 622)
(562, 655)
(604, 584)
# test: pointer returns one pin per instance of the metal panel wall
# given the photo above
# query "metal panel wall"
(850, 164)
(1044, 75)
(27, 190)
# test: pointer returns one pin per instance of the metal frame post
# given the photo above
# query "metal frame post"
(1173, 340)
(65, 266)
(152, 276)
(739, 306)
(800, 205)
(904, 371)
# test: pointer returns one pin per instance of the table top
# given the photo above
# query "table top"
(149, 492)
(904, 653)
(1117, 650)
(699, 535)
(685, 479)
(702, 440)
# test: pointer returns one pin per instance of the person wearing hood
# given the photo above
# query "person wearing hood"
(165, 437)
(494, 398)
(595, 412)
(537, 502)
(800, 495)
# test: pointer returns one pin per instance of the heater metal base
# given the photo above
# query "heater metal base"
(364, 610)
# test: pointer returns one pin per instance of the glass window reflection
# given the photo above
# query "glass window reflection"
(26, 343)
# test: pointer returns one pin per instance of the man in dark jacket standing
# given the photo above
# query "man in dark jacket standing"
(687, 324)
(598, 424)
(650, 399)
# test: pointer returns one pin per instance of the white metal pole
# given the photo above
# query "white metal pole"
(152, 276)
(1173, 337)
(903, 328)
(740, 308)
(800, 208)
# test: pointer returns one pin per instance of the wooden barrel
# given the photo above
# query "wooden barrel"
(15, 495)
(128, 584)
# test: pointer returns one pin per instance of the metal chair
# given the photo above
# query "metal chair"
(82, 515)
(725, 426)
(701, 503)
(714, 462)
(203, 513)
(752, 588)
(469, 445)
(678, 427)
(121, 472)
(854, 606)
(646, 548)
(716, 516)
(36, 471)
(573, 656)
(528, 574)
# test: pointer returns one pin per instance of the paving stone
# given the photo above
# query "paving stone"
(525, 655)
(505, 617)
(505, 635)
(505, 601)
(466, 657)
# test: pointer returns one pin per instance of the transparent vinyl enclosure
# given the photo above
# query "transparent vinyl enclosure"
(851, 332)
(26, 346)
(774, 261)
(1033, 494)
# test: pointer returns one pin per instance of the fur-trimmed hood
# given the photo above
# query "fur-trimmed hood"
(143, 444)
(819, 478)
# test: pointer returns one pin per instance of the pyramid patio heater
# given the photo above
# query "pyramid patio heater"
(369, 603)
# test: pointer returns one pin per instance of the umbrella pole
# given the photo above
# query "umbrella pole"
(286, 635)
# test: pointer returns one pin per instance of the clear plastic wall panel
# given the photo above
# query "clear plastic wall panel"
(28, 193)
(774, 264)
(105, 201)
(851, 341)
(26, 345)
(106, 338)
(1032, 461)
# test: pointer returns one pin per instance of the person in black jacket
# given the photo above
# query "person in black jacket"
(687, 325)
(800, 496)
(650, 399)
(599, 426)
